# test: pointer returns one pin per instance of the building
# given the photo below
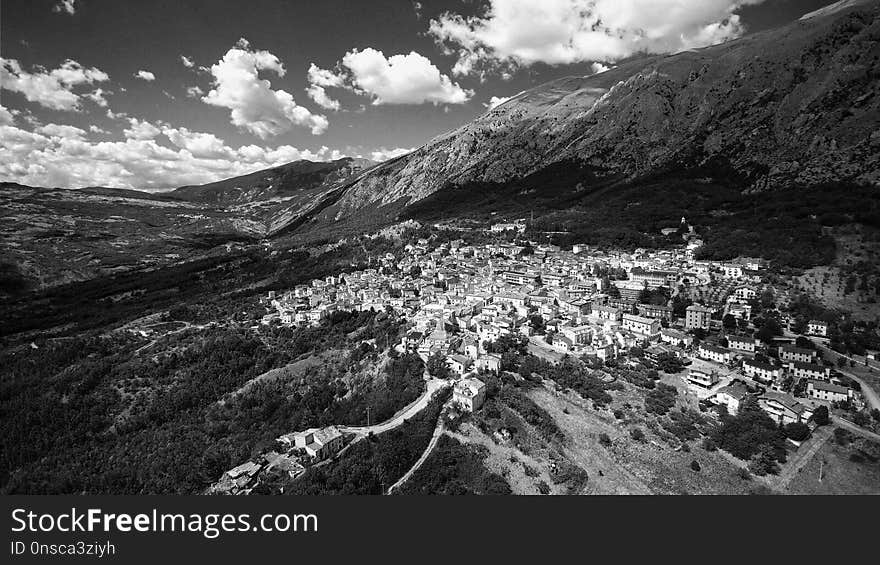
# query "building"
(809, 371)
(799, 354)
(744, 344)
(641, 325)
(318, 443)
(655, 311)
(579, 335)
(652, 279)
(697, 316)
(763, 372)
(490, 363)
(731, 396)
(459, 364)
(469, 394)
(712, 353)
(607, 313)
(783, 408)
(732, 270)
(820, 390)
(817, 327)
(702, 379)
(676, 338)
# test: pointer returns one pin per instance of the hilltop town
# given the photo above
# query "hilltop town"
(721, 330)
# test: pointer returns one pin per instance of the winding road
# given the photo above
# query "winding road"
(432, 386)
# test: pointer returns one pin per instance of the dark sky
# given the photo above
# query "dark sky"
(120, 38)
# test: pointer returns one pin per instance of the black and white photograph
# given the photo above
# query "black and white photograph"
(389, 248)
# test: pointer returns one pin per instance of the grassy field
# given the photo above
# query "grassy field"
(839, 473)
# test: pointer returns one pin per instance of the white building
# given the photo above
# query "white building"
(469, 394)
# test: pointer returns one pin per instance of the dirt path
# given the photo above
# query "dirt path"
(801, 458)
(438, 431)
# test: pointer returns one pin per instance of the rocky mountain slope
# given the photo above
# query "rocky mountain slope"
(274, 197)
(793, 106)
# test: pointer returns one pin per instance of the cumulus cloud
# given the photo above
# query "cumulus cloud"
(496, 101)
(319, 79)
(253, 105)
(187, 62)
(145, 75)
(66, 6)
(98, 96)
(7, 117)
(400, 79)
(514, 33)
(51, 89)
(383, 154)
(63, 156)
(141, 130)
(599, 68)
(194, 92)
(319, 95)
(61, 131)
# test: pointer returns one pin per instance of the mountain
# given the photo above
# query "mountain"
(794, 106)
(280, 182)
(273, 198)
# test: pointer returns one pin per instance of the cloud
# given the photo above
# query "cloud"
(253, 105)
(206, 145)
(320, 97)
(7, 117)
(383, 154)
(63, 156)
(187, 62)
(599, 68)
(145, 75)
(98, 97)
(141, 130)
(67, 6)
(496, 101)
(51, 89)
(194, 92)
(61, 131)
(519, 33)
(399, 79)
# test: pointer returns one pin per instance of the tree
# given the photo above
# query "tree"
(798, 431)
(669, 363)
(695, 466)
(537, 323)
(437, 367)
(729, 322)
(820, 416)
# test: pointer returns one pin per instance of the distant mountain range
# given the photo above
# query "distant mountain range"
(791, 112)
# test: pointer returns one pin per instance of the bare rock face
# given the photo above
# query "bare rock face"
(792, 106)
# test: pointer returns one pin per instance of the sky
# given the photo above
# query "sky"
(164, 93)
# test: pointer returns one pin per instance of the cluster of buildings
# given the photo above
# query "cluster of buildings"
(457, 297)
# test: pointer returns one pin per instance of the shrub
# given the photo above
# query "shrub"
(637, 434)
(695, 466)
(797, 431)
(604, 439)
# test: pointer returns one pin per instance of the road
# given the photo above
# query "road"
(433, 385)
(438, 431)
(539, 348)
